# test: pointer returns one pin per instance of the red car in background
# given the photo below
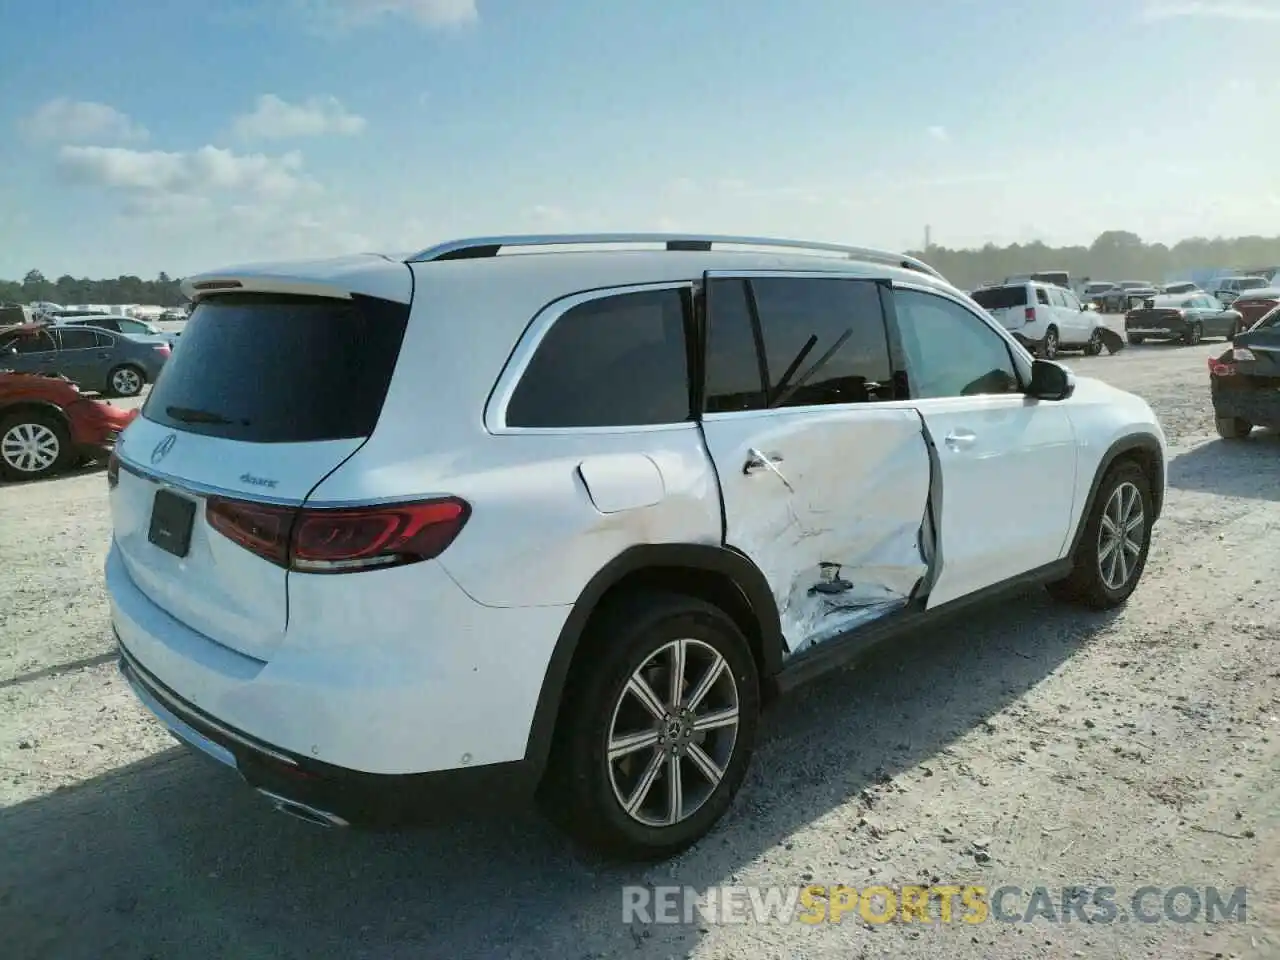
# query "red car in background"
(47, 424)
(1253, 305)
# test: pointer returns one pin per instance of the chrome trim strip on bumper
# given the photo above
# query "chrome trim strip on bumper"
(166, 706)
(176, 726)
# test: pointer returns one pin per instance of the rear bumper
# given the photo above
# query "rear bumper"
(327, 794)
(1260, 407)
(1168, 333)
(395, 674)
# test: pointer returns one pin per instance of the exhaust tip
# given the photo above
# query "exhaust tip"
(302, 811)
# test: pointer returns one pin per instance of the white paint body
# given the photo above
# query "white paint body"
(439, 664)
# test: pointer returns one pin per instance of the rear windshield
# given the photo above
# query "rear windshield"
(1056, 278)
(280, 369)
(1001, 298)
(1253, 283)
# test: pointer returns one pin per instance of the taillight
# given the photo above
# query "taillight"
(1029, 315)
(1222, 366)
(113, 470)
(312, 540)
(163, 349)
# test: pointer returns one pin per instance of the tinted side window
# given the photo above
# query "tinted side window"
(1042, 296)
(611, 362)
(823, 342)
(40, 343)
(104, 339)
(950, 352)
(75, 338)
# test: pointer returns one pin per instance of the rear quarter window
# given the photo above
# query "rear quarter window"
(1001, 298)
(269, 368)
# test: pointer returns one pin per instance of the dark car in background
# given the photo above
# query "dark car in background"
(114, 364)
(1188, 319)
(136, 328)
(1245, 381)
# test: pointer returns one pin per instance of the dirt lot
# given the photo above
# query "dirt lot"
(1031, 745)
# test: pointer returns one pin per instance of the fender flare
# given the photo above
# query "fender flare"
(1145, 443)
(722, 561)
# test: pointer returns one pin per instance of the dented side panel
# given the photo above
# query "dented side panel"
(831, 506)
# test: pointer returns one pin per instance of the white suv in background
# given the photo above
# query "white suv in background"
(1043, 317)
(560, 515)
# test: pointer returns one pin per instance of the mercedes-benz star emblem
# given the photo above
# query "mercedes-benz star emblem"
(163, 447)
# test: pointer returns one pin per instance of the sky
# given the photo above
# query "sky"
(185, 135)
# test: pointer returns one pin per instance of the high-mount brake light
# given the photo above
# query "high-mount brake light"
(340, 540)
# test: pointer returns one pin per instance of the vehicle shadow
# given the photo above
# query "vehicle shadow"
(1231, 468)
(91, 466)
(175, 857)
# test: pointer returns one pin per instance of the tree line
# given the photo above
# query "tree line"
(1114, 255)
(163, 291)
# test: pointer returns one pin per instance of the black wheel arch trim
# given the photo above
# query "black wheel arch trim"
(42, 405)
(1136, 442)
(723, 561)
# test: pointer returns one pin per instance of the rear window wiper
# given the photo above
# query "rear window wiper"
(192, 415)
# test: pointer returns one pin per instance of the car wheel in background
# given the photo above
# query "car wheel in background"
(1112, 550)
(1135, 338)
(32, 445)
(126, 381)
(657, 727)
(1193, 335)
(1094, 347)
(1233, 428)
(1049, 345)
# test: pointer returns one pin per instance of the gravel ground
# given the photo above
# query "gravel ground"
(1030, 745)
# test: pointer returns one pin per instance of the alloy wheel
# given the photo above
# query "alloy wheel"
(1120, 536)
(673, 733)
(1050, 344)
(30, 447)
(1095, 342)
(126, 382)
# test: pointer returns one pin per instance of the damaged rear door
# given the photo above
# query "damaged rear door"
(825, 474)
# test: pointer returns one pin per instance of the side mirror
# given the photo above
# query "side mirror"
(1050, 381)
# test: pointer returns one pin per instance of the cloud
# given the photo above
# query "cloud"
(428, 13)
(193, 173)
(274, 118)
(77, 121)
(1214, 9)
(939, 133)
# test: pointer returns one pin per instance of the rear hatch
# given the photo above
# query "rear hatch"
(1007, 304)
(1257, 352)
(269, 394)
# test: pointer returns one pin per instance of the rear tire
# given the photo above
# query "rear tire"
(1112, 550)
(33, 446)
(1193, 336)
(1049, 345)
(126, 381)
(1233, 428)
(1135, 339)
(629, 646)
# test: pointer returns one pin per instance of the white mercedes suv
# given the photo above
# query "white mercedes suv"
(558, 516)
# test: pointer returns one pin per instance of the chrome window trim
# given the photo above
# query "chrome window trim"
(495, 416)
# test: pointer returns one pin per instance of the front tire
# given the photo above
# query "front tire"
(1112, 550)
(657, 728)
(126, 381)
(1233, 428)
(1193, 336)
(1094, 347)
(33, 446)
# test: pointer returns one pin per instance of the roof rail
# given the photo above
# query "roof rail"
(481, 247)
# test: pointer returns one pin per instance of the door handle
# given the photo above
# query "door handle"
(760, 461)
(961, 439)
